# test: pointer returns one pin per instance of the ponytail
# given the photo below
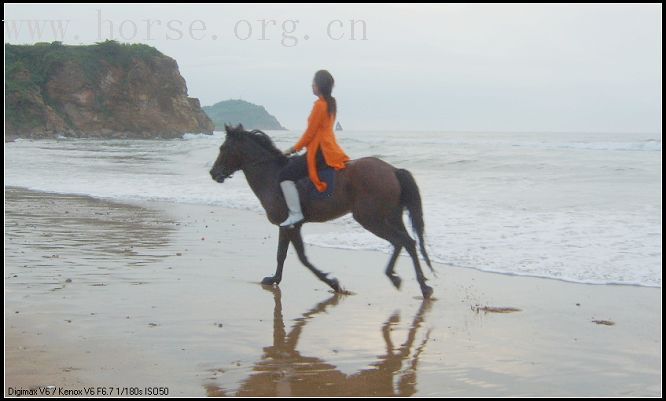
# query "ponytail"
(332, 106)
(325, 82)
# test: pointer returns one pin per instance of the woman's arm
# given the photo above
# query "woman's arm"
(314, 122)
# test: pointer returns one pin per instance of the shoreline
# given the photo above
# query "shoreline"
(321, 228)
(150, 283)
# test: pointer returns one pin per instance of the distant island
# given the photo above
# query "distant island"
(105, 90)
(237, 111)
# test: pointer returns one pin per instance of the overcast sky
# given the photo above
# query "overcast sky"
(589, 68)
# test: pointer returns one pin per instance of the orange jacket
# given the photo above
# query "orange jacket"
(320, 134)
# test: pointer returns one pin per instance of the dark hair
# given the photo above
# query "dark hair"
(324, 81)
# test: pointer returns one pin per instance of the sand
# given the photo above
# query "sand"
(164, 299)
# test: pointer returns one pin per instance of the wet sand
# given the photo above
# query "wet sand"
(137, 297)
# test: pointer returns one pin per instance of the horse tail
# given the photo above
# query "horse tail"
(410, 197)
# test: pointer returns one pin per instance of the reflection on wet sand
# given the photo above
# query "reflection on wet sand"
(283, 371)
(91, 224)
(51, 234)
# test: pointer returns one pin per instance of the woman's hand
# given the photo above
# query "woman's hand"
(289, 151)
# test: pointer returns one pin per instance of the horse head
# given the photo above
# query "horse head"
(243, 148)
(230, 158)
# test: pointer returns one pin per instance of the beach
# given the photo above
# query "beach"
(161, 298)
(145, 147)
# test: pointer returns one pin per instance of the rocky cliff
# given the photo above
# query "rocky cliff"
(107, 90)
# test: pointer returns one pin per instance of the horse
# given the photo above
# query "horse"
(375, 192)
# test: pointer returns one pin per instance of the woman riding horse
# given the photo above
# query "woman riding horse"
(322, 148)
(372, 190)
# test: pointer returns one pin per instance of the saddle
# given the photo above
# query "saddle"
(326, 175)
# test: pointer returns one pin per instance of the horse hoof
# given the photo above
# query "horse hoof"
(427, 292)
(270, 280)
(397, 281)
(335, 284)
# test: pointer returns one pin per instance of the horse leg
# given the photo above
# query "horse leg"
(397, 281)
(396, 234)
(283, 245)
(297, 240)
(383, 231)
(396, 220)
(397, 223)
(410, 245)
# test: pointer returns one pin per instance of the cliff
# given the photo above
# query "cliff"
(235, 111)
(106, 90)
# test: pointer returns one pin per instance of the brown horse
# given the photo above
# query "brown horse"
(372, 190)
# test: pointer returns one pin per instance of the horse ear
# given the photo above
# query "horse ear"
(233, 132)
(240, 127)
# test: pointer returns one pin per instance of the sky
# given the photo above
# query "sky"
(451, 67)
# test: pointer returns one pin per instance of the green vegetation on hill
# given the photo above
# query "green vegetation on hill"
(28, 68)
(41, 59)
(236, 111)
(108, 89)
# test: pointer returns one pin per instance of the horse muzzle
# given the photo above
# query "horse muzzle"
(219, 176)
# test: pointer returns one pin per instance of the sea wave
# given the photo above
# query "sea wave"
(642, 146)
(489, 204)
(190, 136)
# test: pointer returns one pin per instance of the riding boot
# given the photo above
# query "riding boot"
(293, 203)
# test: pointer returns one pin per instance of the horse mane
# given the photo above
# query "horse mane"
(262, 139)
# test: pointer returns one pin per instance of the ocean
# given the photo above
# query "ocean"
(579, 207)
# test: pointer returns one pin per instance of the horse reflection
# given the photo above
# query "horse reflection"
(283, 371)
